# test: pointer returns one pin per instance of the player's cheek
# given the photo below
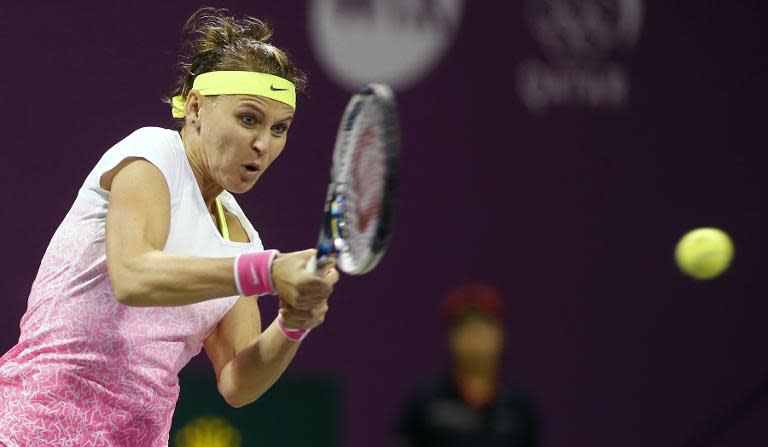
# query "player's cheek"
(319, 313)
(279, 147)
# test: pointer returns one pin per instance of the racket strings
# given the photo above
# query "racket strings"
(364, 177)
(368, 178)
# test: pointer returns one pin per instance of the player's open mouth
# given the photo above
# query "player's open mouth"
(251, 167)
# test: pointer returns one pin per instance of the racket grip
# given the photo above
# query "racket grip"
(317, 265)
(312, 265)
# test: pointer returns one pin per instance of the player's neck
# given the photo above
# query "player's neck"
(208, 187)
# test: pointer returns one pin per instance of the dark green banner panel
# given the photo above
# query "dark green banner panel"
(296, 411)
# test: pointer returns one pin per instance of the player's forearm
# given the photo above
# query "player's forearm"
(156, 278)
(256, 367)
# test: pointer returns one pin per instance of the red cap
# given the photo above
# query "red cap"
(466, 298)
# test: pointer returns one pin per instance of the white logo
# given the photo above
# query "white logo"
(579, 39)
(254, 276)
(396, 42)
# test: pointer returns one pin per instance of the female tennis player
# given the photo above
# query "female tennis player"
(156, 260)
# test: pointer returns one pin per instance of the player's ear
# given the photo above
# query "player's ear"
(193, 105)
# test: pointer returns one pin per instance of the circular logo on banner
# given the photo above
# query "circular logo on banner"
(396, 42)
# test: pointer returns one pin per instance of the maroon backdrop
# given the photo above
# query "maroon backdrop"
(573, 212)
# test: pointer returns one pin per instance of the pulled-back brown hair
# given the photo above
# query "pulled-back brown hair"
(218, 41)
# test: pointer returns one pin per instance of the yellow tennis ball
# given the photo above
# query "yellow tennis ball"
(704, 253)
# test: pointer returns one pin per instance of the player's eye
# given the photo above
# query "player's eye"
(279, 129)
(248, 120)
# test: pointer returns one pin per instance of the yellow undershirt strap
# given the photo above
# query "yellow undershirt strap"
(222, 220)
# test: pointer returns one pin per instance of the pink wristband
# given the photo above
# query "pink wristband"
(253, 273)
(292, 334)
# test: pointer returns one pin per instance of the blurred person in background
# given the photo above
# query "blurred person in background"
(470, 405)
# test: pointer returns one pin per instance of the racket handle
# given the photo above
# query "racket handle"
(317, 265)
(312, 265)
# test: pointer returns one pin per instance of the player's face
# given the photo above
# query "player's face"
(241, 136)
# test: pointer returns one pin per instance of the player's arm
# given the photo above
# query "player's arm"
(142, 274)
(138, 221)
(247, 361)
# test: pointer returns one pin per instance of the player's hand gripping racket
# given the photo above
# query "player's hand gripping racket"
(361, 195)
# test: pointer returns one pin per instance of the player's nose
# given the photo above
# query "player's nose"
(260, 142)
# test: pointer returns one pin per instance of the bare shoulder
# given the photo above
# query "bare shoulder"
(139, 208)
(136, 167)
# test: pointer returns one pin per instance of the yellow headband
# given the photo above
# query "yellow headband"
(239, 83)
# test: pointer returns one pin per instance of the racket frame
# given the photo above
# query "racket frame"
(333, 239)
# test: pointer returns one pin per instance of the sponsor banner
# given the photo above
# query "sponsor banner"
(579, 41)
(397, 42)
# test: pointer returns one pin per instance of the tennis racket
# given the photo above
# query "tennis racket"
(361, 195)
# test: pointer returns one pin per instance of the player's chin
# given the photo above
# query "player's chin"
(242, 184)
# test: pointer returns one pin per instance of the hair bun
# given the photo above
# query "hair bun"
(219, 41)
(214, 28)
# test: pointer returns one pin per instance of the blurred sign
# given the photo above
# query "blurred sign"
(208, 431)
(397, 42)
(579, 40)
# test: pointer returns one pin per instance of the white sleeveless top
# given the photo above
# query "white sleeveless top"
(88, 370)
